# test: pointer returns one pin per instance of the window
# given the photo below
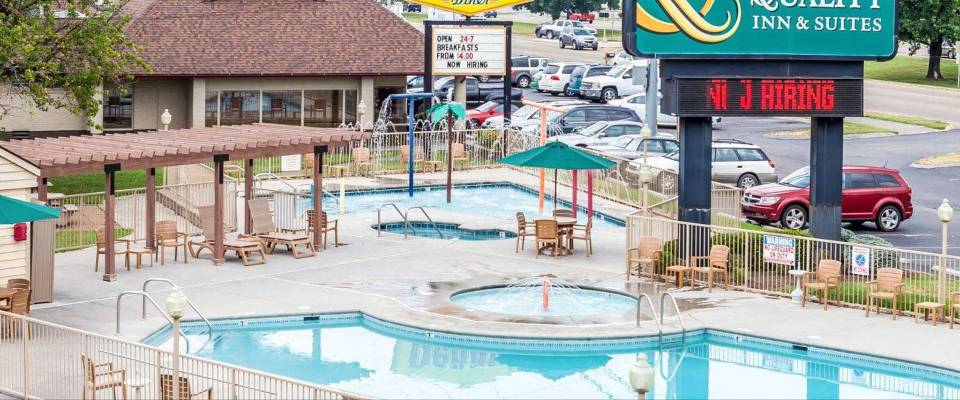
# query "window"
(210, 110)
(597, 114)
(597, 71)
(751, 155)
(398, 107)
(614, 131)
(887, 181)
(281, 107)
(520, 62)
(725, 155)
(117, 107)
(551, 69)
(568, 68)
(638, 100)
(632, 130)
(577, 72)
(670, 146)
(239, 107)
(654, 146)
(616, 115)
(859, 181)
(575, 117)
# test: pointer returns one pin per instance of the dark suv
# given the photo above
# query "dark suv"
(579, 117)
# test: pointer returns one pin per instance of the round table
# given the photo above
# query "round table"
(562, 222)
(797, 293)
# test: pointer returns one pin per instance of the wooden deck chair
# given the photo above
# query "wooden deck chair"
(825, 278)
(582, 232)
(264, 230)
(524, 229)
(123, 250)
(326, 226)
(887, 286)
(953, 307)
(359, 158)
(547, 233)
(646, 254)
(243, 248)
(418, 157)
(717, 263)
(460, 155)
(186, 392)
(18, 283)
(97, 377)
(167, 236)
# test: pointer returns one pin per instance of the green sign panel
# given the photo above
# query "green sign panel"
(765, 29)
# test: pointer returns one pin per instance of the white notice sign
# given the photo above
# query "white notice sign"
(290, 163)
(469, 50)
(860, 261)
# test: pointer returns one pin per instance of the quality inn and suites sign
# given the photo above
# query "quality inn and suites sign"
(765, 29)
(470, 7)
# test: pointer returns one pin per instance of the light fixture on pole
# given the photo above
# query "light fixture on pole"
(945, 214)
(176, 303)
(641, 376)
(165, 119)
(646, 174)
(361, 111)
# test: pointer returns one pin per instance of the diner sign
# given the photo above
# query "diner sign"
(761, 29)
(469, 50)
(779, 250)
(469, 7)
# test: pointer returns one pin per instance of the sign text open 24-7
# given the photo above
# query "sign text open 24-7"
(768, 96)
(469, 51)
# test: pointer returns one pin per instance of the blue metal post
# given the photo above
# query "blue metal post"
(410, 103)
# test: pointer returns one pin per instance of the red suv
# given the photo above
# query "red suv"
(874, 194)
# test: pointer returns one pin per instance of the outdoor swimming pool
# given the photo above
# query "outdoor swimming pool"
(447, 230)
(385, 360)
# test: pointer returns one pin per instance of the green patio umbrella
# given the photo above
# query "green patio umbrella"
(13, 211)
(557, 155)
(449, 111)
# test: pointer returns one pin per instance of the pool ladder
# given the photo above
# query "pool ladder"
(145, 296)
(406, 221)
(653, 312)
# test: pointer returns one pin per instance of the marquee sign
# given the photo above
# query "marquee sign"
(764, 29)
(469, 7)
(469, 50)
(765, 97)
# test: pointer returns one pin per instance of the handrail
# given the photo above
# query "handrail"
(154, 302)
(653, 312)
(143, 308)
(668, 295)
(379, 225)
(406, 221)
(676, 366)
(258, 178)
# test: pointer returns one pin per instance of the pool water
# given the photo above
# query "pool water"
(357, 353)
(562, 301)
(498, 200)
(442, 230)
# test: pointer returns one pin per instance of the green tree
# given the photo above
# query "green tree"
(72, 46)
(557, 8)
(931, 23)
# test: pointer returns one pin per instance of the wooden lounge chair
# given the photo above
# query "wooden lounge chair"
(97, 377)
(887, 286)
(460, 155)
(168, 236)
(186, 393)
(647, 253)
(117, 250)
(405, 157)
(718, 262)
(243, 248)
(359, 158)
(953, 307)
(826, 277)
(582, 232)
(547, 233)
(524, 229)
(265, 231)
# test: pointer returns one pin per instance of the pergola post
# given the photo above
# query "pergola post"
(318, 152)
(218, 163)
(42, 190)
(247, 195)
(109, 218)
(151, 207)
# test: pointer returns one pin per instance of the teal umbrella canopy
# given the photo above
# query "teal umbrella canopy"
(557, 155)
(439, 111)
(13, 211)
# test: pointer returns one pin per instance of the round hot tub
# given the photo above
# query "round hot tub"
(555, 301)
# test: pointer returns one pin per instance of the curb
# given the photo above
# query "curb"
(913, 85)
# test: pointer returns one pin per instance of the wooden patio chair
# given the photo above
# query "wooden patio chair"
(460, 155)
(97, 377)
(547, 233)
(326, 226)
(582, 232)
(360, 158)
(647, 253)
(887, 286)
(186, 392)
(243, 248)
(825, 278)
(524, 229)
(18, 283)
(563, 213)
(168, 236)
(19, 303)
(717, 262)
(264, 230)
(418, 157)
(117, 250)
(953, 307)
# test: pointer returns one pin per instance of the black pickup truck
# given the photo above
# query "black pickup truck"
(477, 92)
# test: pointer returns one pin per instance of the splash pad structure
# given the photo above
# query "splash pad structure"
(544, 296)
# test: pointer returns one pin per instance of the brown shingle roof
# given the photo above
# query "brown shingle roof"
(274, 38)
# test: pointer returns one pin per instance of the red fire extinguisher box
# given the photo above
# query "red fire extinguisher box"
(20, 232)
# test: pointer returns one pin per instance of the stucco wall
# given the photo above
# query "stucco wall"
(24, 117)
(151, 97)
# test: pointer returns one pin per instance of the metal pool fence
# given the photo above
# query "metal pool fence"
(43, 360)
(760, 261)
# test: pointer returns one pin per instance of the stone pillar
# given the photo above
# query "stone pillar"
(367, 96)
(198, 103)
(97, 119)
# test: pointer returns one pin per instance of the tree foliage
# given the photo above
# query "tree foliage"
(931, 23)
(556, 8)
(69, 46)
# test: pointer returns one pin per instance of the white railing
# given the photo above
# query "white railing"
(42, 360)
(751, 270)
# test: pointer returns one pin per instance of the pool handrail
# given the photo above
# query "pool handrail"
(380, 225)
(406, 221)
(143, 307)
(653, 312)
(157, 306)
(676, 307)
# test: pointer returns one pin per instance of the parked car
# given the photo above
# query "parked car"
(490, 14)
(552, 30)
(412, 8)
(622, 58)
(579, 117)
(477, 92)
(587, 17)
(527, 115)
(638, 103)
(556, 77)
(523, 68)
(600, 133)
(630, 147)
(586, 71)
(615, 83)
(948, 51)
(477, 116)
(578, 38)
(878, 195)
(734, 162)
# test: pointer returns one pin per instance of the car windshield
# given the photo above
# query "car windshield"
(577, 24)
(616, 71)
(525, 112)
(581, 32)
(622, 141)
(798, 179)
(594, 129)
(675, 155)
(551, 69)
(487, 106)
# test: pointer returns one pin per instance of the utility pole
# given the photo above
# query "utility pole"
(653, 90)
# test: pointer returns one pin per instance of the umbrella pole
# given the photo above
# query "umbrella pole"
(574, 207)
(542, 179)
(589, 194)
(555, 194)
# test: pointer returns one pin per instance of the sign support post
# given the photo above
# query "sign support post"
(826, 177)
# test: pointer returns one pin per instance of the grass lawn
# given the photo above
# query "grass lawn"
(903, 119)
(911, 70)
(91, 183)
(940, 160)
(68, 239)
(853, 128)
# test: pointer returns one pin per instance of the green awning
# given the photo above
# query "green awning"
(13, 211)
(557, 155)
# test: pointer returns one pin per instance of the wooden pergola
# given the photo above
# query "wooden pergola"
(62, 156)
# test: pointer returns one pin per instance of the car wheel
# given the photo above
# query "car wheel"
(608, 94)
(566, 90)
(794, 217)
(577, 47)
(595, 48)
(888, 219)
(747, 181)
(561, 44)
(550, 35)
(483, 78)
(523, 82)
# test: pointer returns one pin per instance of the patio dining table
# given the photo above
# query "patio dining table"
(565, 225)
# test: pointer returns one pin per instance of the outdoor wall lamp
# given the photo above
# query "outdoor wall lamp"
(165, 119)
(945, 211)
(176, 303)
(362, 108)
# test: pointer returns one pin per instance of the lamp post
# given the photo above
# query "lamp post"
(361, 111)
(165, 119)
(641, 376)
(945, 214)
(646, 174)
(176, 303)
